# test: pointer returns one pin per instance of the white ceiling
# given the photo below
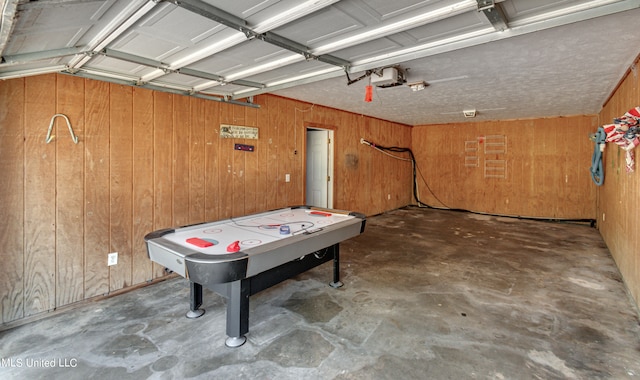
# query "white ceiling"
(539, 58)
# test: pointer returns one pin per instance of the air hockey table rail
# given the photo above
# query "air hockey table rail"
(238, 257)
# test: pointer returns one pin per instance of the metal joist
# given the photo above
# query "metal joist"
(134, 59)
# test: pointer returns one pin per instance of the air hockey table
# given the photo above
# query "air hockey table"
(241, 256)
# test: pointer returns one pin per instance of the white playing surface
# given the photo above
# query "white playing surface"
(251, 231)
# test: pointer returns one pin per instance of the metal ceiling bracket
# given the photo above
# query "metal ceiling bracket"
(485, 4)
(494, 13)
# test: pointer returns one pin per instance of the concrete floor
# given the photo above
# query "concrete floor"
(428, 295)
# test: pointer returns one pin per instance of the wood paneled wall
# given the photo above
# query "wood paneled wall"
(542, 170)
(618, 198)
(147, 160)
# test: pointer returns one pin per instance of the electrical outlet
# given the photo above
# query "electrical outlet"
(112, 258)
(287, 177)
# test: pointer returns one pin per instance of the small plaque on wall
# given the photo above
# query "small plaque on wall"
(238, 132)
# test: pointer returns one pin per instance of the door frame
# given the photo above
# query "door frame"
(330, 163)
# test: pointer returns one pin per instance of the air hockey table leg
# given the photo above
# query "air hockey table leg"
(336, 267)
(195, 301)
(237, 313)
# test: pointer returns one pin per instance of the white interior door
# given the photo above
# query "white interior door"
(319, 168)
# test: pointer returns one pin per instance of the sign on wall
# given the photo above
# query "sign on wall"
(238, 132)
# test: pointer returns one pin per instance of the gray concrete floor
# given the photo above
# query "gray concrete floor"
(428, 295)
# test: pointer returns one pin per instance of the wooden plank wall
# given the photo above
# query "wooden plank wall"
(618, 208)
(546, 167)
(147, 160)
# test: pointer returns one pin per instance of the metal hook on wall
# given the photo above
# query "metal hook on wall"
(49, 137)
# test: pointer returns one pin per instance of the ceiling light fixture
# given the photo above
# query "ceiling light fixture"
(418, 86)
(469, 113)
